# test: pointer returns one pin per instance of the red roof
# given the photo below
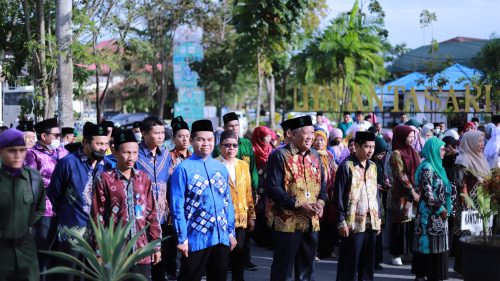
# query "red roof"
(461, 39)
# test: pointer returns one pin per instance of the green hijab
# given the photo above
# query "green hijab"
(431, 153)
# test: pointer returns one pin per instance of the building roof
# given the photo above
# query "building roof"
(457, 76)
(459, 50)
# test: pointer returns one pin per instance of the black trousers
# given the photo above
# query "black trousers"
(295, 250)
(158, 271)
(238, 256)
(45, 233)
(328, 238)
(402, 238)
(66, 247)
(170, 255)
(357, 255)
(142, 269)
(213, 260)
(379, 248)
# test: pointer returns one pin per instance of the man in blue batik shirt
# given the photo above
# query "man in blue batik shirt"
(202, 210)
(71, 187)
(155, 161)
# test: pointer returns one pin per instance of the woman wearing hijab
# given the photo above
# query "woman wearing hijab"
(430, 244)
(261, 139)
(492, 147)
(336, 144)
(419, 141)
(404, 193)
(471, 168)
(328, 229)
(427, 131)
(379, 159)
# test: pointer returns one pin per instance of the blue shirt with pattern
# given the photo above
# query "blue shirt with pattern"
(201, 204)
(71, 189)
(157, 166)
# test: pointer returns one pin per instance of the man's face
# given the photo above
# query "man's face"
(13, 156)
(29, 139)
(319, 119)
(404, 118)
(203, 143)
(347, 118)
(136, 130)
(378, 127)
(365, 151)
(351, 147)
(127, 155)
(229, 148)
(233, 126)
(155, 136)
(181, 139)
(99, 143)
(302, 138)
(360, 117)
(442, 126)
(69, 138)
(54, 134)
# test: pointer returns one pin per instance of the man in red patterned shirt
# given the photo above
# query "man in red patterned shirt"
(124, 193)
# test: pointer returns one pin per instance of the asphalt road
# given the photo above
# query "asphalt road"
(327, 269)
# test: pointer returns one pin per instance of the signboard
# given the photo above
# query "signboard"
(471, 221)
(191, 95)
(190, 112)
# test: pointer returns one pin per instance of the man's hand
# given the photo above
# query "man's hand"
(416, 197)
(251, 225)
(156, 257)
(308, 209)
(319, 209)
(183, 248)
(443, 214)
(344, 232)
(232, 242)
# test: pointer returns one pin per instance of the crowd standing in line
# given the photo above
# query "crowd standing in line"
(316, 188)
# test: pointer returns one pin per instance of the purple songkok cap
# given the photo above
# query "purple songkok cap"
(11, 137)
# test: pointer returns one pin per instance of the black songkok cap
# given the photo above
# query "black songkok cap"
(25, 126)
(300, 122)
(91, 130)
(179, 125)
(67, 131)
(123, 136)
(231, 116)
(202, 125)
(319, 113)
(176, 120)
(364, 136)
(108, 124)
(495, 119)
(40, 127)
(285, 125)
(136, 124)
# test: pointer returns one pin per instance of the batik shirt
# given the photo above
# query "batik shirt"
(128, 200)
(356, 195)
(157, 168)
(292, 180)
(70, 191)
(202, 209)
(44, 160)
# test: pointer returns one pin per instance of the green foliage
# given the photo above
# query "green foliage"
(114, 247)
(483, 207)
(488, 61)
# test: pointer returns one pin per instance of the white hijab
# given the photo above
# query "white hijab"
(492, 147)
(471, 157)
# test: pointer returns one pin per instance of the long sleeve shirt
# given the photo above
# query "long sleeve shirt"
(292, 180)
(70, 191)
(245, 153)
(201, 205)
(356, 195)
(157, 167)
(44, 160)
(128, 200)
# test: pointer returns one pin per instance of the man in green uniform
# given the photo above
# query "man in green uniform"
(22, 204)
(245, 153)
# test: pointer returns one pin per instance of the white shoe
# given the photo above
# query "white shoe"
(397, 261)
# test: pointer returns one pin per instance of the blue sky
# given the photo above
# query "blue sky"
(468, 18)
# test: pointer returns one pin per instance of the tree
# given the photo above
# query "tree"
(488, 61)
(426, 20)
(347, 54)
(64, 35)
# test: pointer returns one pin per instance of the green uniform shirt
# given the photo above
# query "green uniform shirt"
(245, 153)
(16, 218)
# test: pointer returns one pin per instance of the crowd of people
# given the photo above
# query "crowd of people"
(302, 192)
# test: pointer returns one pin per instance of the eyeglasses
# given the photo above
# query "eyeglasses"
(228, 145)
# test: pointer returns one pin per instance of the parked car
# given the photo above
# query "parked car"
(126, 120)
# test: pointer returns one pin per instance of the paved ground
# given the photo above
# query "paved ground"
(326, 270)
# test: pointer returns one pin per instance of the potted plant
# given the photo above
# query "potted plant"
(115, 249)
(481, 254)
